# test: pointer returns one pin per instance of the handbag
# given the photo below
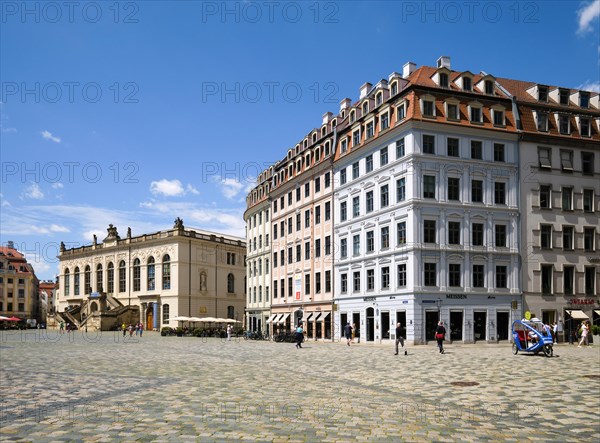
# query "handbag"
(439, 336)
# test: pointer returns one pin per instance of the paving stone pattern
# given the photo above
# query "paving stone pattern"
(103, 388)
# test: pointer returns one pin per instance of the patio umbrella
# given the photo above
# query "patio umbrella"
(231, 320)
(2, 318)
(208, 319)
(180, 318)
(13, 319)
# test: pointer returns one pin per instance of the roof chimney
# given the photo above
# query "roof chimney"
(10, 244)
(444, 62)
(327, 117)
(344, 104)
(364, 89)
(408, 69)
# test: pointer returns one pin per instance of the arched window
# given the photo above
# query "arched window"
(166, 272)
(110, 278)
(67, 282)
(230, 283)
(88, 280)
(151, 274)
(122, 276)
(137, 274)
(365, 108)
(99, 286)
(165, 310)
(76, 282)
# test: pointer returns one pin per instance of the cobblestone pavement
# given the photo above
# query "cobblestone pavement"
(103, 388)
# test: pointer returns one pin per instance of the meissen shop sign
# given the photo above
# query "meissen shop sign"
(456, 296)
(369, 298)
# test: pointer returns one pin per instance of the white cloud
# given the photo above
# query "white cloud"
(3, 129)
(590, 86)
(3, 202)
(586, 15)
(232, 187)
(34, 192)
(57, 185)
(192, 190)
(171, 188)
(47, 135)
(168, 188)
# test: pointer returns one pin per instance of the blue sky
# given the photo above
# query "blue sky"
(141, 113)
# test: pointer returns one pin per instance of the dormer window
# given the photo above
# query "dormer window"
(323, 131)
(379, 99)
(563, 96)
(356, 138)
(352, 116)
(489, 87)
(443, 79)
(344, 145)
(584, 99)
(452, 111)
(467, 85)
(543, 93)
(305, 143)
(370, 129)
(584, 127)
(475, 113)
(498, 117)
(428, 107)
(365, 108)
(314, 137)
(334, 122)
(384, 121)
(394, 88)
(542, 121)
(401, 111)
(327, 149)
(564, 124)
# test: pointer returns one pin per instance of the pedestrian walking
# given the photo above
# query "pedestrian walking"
(124, 328)
(137, 329)
(584, 334)
(62, 327)
(229, 328)
(400, 339)
(348, 332)
(440, 335)
(299, 336)
(130, 328)
(68, 327)
(141, 329)
(353, 331)
(555, 333)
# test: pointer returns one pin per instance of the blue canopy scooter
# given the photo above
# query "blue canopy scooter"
(531, 336)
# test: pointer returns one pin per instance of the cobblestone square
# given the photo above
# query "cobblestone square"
(104, 388)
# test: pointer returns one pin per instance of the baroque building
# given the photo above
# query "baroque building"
(559, 152)
(18, 285)
(170, 273)
(258, 255)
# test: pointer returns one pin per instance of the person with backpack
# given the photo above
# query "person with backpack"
(440, 336)
(400, 339)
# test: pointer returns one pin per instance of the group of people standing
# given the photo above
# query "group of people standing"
(138, 328)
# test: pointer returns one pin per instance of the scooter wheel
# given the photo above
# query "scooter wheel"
(548, 351)
(515, 350)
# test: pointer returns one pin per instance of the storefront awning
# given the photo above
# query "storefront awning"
(309, 316)
(597, 311)
(323, 316)
(283, 318)
(577, 314)
(317, 316)
(272, 317)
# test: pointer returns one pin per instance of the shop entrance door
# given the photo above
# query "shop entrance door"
(502, 325)
(479, 327)
(431, 321)
(456, 325)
